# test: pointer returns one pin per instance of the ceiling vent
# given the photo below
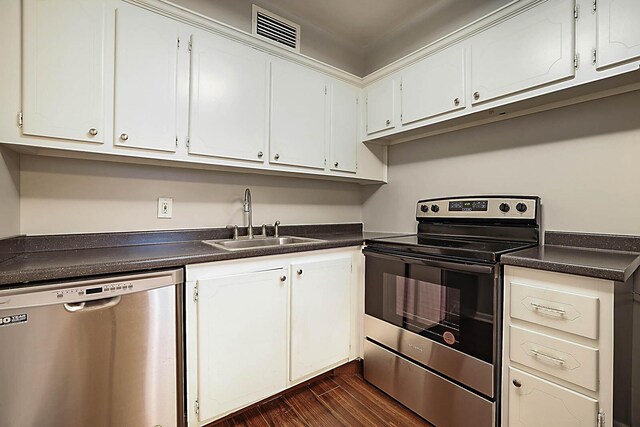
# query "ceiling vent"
(275, 29)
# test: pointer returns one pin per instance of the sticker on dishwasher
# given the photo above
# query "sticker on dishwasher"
(13, 320)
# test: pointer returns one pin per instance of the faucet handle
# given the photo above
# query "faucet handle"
(235, 232)
(264, 230)
(277, 231)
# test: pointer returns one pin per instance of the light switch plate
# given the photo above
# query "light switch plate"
(165, 207)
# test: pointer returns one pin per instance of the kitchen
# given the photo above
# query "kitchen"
(571, 141)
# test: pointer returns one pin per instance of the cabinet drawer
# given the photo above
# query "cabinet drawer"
(540, 403)
(566, 311)
(563, 359)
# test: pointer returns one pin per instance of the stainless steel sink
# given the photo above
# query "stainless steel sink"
(258, 242)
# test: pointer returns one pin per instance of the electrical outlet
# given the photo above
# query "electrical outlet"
(165, 207)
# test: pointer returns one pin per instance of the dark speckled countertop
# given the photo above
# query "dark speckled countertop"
(31, 260)
(611, 257)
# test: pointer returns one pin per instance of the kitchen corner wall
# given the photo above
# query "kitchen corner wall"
(75, 196)
(582, 160)
(9, 193)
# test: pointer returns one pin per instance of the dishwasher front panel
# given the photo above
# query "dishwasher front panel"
(104, 362)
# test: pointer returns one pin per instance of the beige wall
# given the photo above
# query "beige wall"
(69, 196)
(583, 160)
(9, 193)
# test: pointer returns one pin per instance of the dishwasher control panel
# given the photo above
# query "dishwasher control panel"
(104, 291)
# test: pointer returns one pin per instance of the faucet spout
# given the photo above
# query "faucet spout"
(246, 207)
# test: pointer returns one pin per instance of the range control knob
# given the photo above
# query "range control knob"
(424, 208)
(521, 207)
(504, 207)
(435, 208)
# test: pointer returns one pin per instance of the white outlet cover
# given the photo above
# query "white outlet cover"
(165, 207)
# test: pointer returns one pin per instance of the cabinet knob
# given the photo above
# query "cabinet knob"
(456, 102)
(476, 95)
(260, 154)
(277, 156)
(124, 137)
(300, 272)
(335, 164)
(388, 122)
(517, 383)
(93, 131)
(283, 278)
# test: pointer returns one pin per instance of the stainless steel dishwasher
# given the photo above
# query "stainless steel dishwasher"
(102, 353)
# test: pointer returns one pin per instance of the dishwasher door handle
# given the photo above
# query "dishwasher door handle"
(97, 304)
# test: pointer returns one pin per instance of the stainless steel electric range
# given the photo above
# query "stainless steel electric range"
(433, 304)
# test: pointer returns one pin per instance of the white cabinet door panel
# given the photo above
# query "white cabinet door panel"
(344, 127)
(540, 403)
(618, 31)
(380, 102)
(532, 49)
(298, 116)
(320, 320)
(63, 54)
(434, 86)
(242, 340)
(146, 74)
(229, 100)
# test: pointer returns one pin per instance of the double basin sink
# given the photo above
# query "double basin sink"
(258, 242)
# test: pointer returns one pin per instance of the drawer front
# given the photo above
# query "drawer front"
(566, 311)
(540, 403)
(563, 359)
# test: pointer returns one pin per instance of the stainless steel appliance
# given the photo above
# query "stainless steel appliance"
(101, 353)
(433, 306)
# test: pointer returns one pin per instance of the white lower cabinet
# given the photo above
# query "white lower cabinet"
(534, 402)
(255, 327)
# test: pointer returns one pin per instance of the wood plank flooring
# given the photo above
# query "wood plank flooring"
(341, 400)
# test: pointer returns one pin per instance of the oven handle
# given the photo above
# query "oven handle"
(468, 268)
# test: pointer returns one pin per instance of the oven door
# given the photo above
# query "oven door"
(440, 313)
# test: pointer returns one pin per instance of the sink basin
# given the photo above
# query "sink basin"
(258, 242)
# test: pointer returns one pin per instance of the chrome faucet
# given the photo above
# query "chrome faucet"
(246, 207)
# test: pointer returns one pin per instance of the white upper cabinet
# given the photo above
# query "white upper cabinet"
(344, 127)
(434, 85)
(229, 104)
(146, 79)
(241, 340)
(618, 31)
(320, 325)
(63, 68)
(298, 115)
(531, 49)
(380, 105)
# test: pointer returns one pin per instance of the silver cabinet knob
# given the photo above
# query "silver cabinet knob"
(300, 272)
(124, 137)
(456, 102)
(260, 154)
(476, 95)
(517, 383)
(335, 164)
(283, 278)
(388, 122)
(93, 131)
(277, 156)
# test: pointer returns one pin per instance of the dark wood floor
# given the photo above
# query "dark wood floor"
(340, 400)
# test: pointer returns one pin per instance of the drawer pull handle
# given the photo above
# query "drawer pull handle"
(541, 307)
(555, 360)
(517, 383)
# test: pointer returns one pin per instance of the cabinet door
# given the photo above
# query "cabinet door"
(380, 102)
(344, 127)
(540, 403)
(242, 340)
(298, 116)
(229, 104)
(532, 49)
(618, 31)
(433, 86)
(320, 326)
(63, 54)
(146, 74)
